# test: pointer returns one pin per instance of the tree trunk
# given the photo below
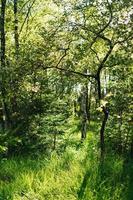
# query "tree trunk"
(89, 104)
(3, 66)
(83, 112)
(14, 81)
(54, 142)
(105, 118)
(16, 36)
(102, 130)
(87, 101)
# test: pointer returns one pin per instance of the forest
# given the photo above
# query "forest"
(66, 100)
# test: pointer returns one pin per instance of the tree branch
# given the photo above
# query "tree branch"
(101, 65)
(130, 37)
(85, 75)
(95, 54)
(27, 15)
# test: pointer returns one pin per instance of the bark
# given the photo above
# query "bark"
(3, 65)
(83, 113)
(54, 142)
(87, 101)
(14, 81)
(2, 29)
(16, 36)
(89, 104)
(104, 109)
(105, 118)
(102, 130)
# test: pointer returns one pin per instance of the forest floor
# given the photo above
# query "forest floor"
(75, 174)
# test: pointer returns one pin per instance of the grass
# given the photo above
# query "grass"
(74, 174)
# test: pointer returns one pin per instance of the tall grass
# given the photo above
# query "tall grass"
(72, 175)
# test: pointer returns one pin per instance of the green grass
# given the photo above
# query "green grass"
(74, 174)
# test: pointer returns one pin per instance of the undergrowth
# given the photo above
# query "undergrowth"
(74, 174)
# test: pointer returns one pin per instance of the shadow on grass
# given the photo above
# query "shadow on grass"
(112, 180)
(128, 177)
(82, 189)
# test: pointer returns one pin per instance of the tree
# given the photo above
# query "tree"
(3, 67)
(88, 32)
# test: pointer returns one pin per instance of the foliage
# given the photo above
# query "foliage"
(67, 176)
(66, 99)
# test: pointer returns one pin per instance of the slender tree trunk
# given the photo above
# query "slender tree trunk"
(87, 101)
(102, 130)
(105, 118)
(16, 36)
(2, 29)
(83, 113)
(54, 142)
(3, 65)
(89, 104)
(14, 81)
